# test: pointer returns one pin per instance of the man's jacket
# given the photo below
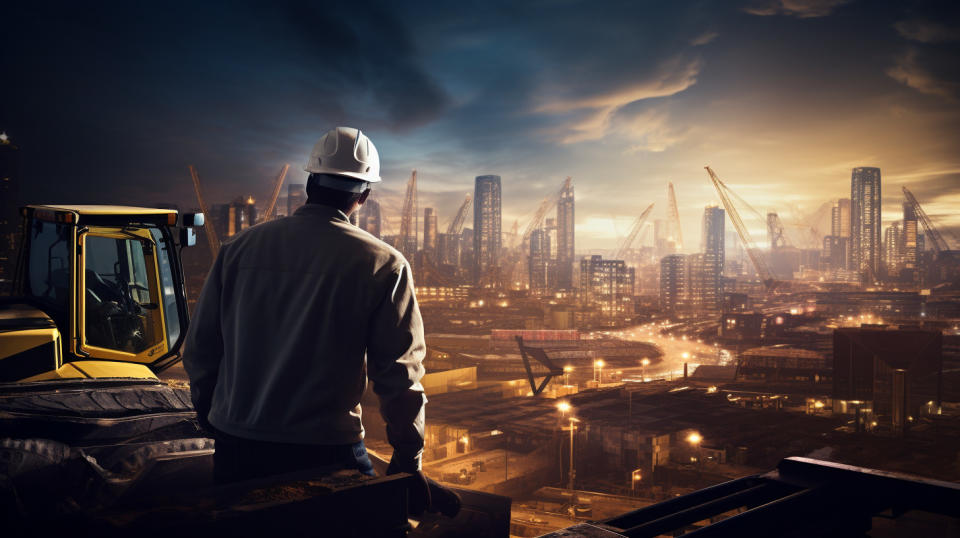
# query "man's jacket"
(295, 315)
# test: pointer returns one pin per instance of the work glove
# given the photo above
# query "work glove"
(427, 495)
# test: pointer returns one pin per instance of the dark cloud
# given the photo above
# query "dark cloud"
(796, 8)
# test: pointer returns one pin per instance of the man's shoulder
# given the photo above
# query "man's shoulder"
(378, 248)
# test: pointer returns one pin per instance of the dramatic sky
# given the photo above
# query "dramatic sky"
(109, 102)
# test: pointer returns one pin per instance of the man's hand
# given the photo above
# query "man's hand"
(427, 495)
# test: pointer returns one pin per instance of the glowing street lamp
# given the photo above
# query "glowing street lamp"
(572, 428)
(635, 478)
(566, 374)
(564, 407)
(466, 443)
(644, 362)
(694, 439)
(598, 369)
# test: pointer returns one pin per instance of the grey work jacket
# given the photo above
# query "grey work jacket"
(295, 315)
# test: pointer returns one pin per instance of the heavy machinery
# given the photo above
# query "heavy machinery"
(634, 231)
(98, 293)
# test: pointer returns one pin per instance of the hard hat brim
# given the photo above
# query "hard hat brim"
(359, 176)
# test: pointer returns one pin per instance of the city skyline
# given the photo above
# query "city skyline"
(649, 95)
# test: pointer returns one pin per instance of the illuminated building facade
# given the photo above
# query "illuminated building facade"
(486, 226)
(865, 220)
(607, 285)
(711, 274)
(673, 282)
(541, 263)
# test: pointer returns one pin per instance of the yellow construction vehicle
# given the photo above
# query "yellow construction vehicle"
(98, 293)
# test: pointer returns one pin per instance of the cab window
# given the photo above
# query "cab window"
(122, 298)
(48, 273)
(171, 309)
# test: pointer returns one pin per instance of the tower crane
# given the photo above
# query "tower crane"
(213, 242)
(634, 231)
(277, 185)
(755, 257)
(936, 239)
(456, 225)
(775, 232)
(675, 215)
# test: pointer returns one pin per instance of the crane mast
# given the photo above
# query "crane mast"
(634, 231)
(758, 263)
(277, 185)
(456, 225)
(675, 215)
(213, 242)
(937, 240)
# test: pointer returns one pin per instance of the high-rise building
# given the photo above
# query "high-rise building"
(486, 225)
(673, 282)
(448, 249)
(565, 238)
(541, 263)
(369, 218)
(607, 285)
(911, 244)
(711, 288)
(296, 196)
(9, 211)
(840, 218)
(249, 213)
(430, 230)
(865, 220)
(892, 249)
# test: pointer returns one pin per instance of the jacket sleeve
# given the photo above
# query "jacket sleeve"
(203, 348)
(395, 352)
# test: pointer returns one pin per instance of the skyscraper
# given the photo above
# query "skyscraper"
(369, 218)
(713, 257)
(296, 196)
(865, 220)
(540, 262)
(673, 276)
(911, 245)
(9, 213)
(430, 230)
(565, 238)
(836, 246)
(486, 225)
(893, 249)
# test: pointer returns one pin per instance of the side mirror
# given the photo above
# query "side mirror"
(188, 237)
(191, 220)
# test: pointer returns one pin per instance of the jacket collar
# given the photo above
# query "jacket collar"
(320, 210)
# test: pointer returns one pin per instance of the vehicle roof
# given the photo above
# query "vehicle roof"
(106, 209)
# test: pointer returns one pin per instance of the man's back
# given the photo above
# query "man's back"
(300, 301)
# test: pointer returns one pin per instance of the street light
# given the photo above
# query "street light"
(695, 439)
(566, 374)
(572, 428)
(564, 407)
(644, 362)
(635, 478)
(598, 367)
(466, 442)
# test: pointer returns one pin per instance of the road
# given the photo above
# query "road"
(676, 351)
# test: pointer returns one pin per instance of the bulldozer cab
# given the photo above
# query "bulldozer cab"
(103, 284)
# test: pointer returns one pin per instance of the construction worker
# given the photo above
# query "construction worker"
(296, 314)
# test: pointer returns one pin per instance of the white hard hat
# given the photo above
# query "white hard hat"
(345, 151)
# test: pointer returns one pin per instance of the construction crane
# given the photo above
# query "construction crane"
(277, 185)
(213, 242)
(546, 205)
(933, 235)
(756, 258)
(634, 231)
(674, 216)
(409, 220)
(456, 225)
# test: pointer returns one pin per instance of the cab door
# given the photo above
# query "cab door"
(120, 305)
